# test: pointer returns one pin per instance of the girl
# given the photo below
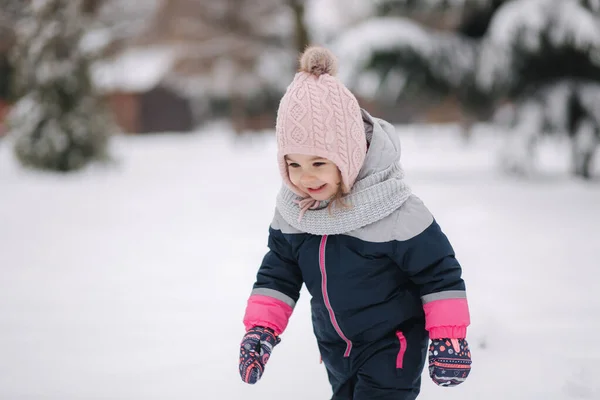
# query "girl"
(383, 277)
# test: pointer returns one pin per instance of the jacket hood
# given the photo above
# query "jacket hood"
(384, 146)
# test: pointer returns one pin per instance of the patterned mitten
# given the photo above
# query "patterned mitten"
(449, 361)
(255, 351)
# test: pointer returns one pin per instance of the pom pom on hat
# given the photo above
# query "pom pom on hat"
(318, 61)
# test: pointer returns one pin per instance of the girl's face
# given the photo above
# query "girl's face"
(317, 176)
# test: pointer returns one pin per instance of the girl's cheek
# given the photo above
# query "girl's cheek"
(293, 176)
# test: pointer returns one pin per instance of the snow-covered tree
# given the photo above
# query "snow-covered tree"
(567, 106)
(6, 72)
(528, 48)
(9, 10)
(394, 55)
(531, 43)
(390, 57)
(528, 43)
(388, 7)
(544, 57)
(58, 122)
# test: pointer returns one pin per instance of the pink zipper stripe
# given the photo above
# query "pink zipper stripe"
(402, 351)
(326, 297)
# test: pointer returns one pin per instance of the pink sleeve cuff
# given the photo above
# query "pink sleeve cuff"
(268, 312)
(447, 318)
(450, 332)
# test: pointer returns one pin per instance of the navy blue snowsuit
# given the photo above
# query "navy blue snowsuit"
(369, 288)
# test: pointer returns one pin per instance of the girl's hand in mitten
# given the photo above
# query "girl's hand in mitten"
(255, 351)
(449, 361)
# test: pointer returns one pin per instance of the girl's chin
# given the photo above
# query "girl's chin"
(322, 196)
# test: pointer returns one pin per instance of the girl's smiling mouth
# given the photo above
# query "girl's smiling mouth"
(316, 190)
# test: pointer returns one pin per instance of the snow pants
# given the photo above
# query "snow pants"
(387, 369)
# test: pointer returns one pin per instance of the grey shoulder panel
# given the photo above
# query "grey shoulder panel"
(412, 219)
(408, 221)
(280, 224)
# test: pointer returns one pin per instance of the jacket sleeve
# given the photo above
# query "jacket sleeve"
(430, 262)
(277, 286)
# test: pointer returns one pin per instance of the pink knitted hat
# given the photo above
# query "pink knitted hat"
(319, 116)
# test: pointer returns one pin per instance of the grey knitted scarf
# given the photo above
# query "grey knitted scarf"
(371, 199)
(374, 196)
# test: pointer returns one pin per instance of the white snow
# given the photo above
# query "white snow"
(124, 19)
(327, 18)
(356, 45)
(95, 40)
(134, 69)
(130, 282)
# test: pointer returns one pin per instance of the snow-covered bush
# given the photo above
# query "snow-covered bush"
(58, 122)
(541, 55)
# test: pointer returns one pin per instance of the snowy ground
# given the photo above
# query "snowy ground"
(130, 282)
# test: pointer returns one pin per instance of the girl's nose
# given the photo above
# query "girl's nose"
(307, 179)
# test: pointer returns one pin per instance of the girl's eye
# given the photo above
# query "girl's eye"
(318, 164)
(293, 165)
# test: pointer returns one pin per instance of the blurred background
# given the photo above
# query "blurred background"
(138, 179)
